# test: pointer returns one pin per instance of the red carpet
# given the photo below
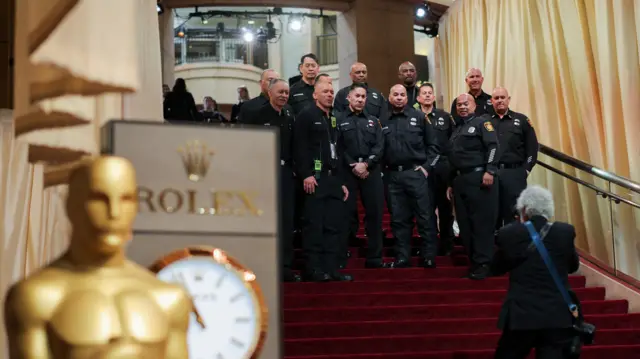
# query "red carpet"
(419, 313)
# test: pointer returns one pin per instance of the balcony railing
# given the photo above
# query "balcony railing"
(206, 48)
(327, 48)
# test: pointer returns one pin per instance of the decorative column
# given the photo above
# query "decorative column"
(382, 39)
(167, 46)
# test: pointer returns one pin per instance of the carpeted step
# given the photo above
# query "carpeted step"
(407, 273)
(425, 297)
(434, 326)
(423, 312)
(441, 261)
(403, 286)
(589, 352)
(438, 342)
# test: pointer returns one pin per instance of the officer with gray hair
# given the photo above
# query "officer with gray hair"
(534, 314)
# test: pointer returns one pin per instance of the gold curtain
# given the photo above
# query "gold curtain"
(79, 63)
(573, 67)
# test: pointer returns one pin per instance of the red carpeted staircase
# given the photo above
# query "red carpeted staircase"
(418, 313)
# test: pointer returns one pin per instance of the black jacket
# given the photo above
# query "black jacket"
(359, 138)
(533, 300)
(375, 106)
(248, 110)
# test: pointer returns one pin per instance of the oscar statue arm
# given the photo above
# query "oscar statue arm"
(179, 316)
(25, 323)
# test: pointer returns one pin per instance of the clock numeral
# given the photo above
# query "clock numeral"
(219, 282)
(243, 320)
(236, 297)
(237, 343)
(178, 278)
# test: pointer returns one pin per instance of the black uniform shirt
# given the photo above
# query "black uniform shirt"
(483, 106)
(360, 138)
(409, 140)
(300, 96)
(312, 134)
(518, 140)
(376, 103)
(474, 144)
(284, 120)
(250, 108)
(412, 94)
(443, 124)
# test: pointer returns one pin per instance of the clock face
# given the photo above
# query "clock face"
(226, 303)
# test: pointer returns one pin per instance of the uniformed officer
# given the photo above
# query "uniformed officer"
(250, 108)
(443, 125)
(278, 114)
(376, 104)
(408, 75)
(317, 165)
(474, 159)
(302, 92)
(360, 143)
(518, 152)
(474, 80)
(410, 153)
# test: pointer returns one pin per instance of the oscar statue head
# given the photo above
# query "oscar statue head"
(102, 205)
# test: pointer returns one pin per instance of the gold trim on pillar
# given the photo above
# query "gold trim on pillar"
(58, 10)
(243, 273)
(37, 119)
(50, 80)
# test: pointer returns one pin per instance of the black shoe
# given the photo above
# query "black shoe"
(316, 276)
(290, 277)
(428, 263)
(377, 264)
(479, 272)
(400, 264)
(339, 277)
(446, 247)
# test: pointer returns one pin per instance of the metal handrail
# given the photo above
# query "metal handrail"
(598, 172)
(598, 190)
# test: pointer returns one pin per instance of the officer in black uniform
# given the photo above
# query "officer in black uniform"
(408, 75)
(518, 153)
(250, 108)
(474, 159)
(317, 165)
(376, 105)
(474, 80)
(410, 153)
(443, 125)
(360, 144)
(278, 114)
(302, 92)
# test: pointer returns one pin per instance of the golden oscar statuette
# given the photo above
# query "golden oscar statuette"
(227, 297)
(93, 303)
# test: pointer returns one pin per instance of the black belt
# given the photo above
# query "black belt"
(509, 165)
(465, 171)
(328, 172)
(402, 168)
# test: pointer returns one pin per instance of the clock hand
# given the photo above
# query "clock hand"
(198, 316)
(193, 304)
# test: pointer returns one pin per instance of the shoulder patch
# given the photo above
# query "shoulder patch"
(529, 121)
(488, 126)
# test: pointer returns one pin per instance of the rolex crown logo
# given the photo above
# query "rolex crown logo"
(196, 158)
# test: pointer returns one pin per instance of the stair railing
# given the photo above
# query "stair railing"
(624, 265)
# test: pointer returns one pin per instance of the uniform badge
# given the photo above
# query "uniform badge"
(441, 121)
(489, 102)
(472, 129)
(516, 122)
(375, 95)
(488, 126)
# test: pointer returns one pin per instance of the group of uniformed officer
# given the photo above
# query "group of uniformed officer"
(404, 149)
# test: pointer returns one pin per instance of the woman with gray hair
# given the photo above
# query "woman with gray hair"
(534, 313)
